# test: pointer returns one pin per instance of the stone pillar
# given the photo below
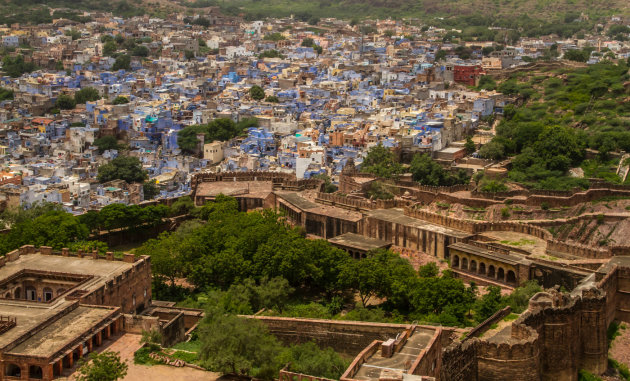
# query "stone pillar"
(94, 254)
(70, 359)
(89, 345)
(60, 366)
(65, 252)
(45, 250)
(109, 256)
(49, 372)
(80, 253)
(99, 338)
(129, 258)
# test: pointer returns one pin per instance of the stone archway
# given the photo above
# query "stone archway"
(501, 274)
(491, 271)
(13, 370)
(473, 266)
(464, 263)
(510, 277)
(482, 268)
(455, 261)
(48, 294)
(35, 372)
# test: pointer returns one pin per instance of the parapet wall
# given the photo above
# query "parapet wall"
(348, 337)
(359, 204)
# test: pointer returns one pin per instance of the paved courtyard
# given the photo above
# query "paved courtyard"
(127, 344)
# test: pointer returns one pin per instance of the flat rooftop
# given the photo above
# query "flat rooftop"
(306, 201)
(398, 216)
(466, 248)
(357, 241)
(62, 332)
(260, 189)
(29, 314)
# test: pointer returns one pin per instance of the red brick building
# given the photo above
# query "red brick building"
(467, 74)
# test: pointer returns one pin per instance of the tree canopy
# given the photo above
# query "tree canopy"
(87, 94)
(380, 161)
(256, 92)
(221, 129)
(105, 366)
(122, 168)
(427, 172)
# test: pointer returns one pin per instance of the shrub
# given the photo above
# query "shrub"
(505, 212)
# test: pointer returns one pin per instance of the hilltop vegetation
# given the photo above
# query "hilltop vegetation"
(529, 17)
(565, 112)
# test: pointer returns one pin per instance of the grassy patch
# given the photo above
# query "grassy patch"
(619, 367)
(521, 242)
(614, 331)
(511, 317)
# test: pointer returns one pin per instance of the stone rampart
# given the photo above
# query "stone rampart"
(348, 337)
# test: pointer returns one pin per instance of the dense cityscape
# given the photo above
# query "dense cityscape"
(195, 191)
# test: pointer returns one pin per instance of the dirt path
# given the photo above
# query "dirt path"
(127, 344)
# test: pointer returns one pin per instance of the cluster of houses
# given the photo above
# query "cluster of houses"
(331, 92)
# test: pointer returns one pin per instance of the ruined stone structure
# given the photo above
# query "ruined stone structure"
(53, 318)
(559, 333)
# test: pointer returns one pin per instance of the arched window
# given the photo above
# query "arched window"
(13, 370)
(17, 294)
(8, 295)
(511, 277)
(482, 268)
(464, 263)
(455, 261)
(491, 271)
(35, 371)
(500, 274)
(473, 266)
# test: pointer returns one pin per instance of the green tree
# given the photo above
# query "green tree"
(429, 270)
(140, 51)
(189, 55)
(123, 62)
(440, 55)
(109, 48)
(236, 345)
(65, 102)
(427, 172)
(329, 187)
(120, 100)
(75, 34)
(272, 99)
(380, 162)
(256, 92)
(308, 358)
(5, 94)
(489, 303)
(492, 150)
(470, 146)
(150, 189)
(122, 168)
(53, 228)
(105, 366)
(16, 66)
(378, 191)
(307, 42)
(106, 142)
(577, 55)
(87, 94)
